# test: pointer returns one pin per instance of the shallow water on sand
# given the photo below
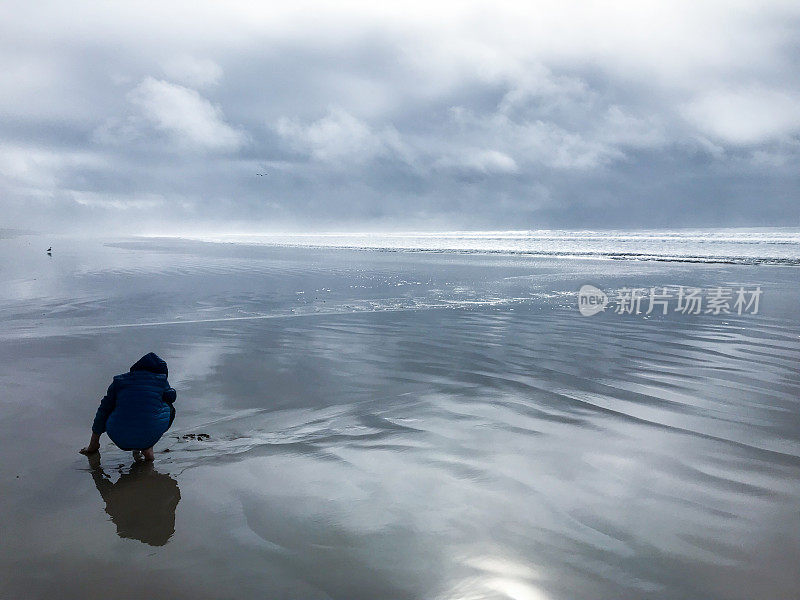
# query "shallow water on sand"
(386, 425)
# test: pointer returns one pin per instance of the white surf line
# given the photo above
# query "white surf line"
(258, 317)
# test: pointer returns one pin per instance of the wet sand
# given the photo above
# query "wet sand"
(395, 425)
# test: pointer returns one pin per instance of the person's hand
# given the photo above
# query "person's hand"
(94, 445)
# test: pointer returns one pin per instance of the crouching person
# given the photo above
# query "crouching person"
(137, 409)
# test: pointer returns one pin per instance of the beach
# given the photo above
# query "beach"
(380, 423)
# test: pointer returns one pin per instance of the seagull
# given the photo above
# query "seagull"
(262, 174)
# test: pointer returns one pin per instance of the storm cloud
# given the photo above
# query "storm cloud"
(156, 116)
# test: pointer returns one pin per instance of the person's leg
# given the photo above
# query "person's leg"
(148, 454)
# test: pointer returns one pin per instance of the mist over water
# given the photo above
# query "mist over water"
(399, 425)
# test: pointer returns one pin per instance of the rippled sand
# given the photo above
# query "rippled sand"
(384, 425)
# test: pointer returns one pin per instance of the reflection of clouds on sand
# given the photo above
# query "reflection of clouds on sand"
(345, 543)
(544, 435)
(252, 433)
(141, 503)
(196, 361)
(495, 577)
(474, 450)
(334, 528)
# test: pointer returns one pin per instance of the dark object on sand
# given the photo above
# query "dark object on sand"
(196, 436)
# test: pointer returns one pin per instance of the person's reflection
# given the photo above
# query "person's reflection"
(141, 503)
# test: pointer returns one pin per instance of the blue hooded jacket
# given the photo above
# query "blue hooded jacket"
(137, 409)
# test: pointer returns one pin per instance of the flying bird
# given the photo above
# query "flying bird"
(262, 174)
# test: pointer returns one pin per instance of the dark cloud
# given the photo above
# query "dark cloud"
(640, 114)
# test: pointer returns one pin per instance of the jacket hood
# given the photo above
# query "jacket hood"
(151, 362)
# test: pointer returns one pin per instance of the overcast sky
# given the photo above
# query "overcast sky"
(157, 116)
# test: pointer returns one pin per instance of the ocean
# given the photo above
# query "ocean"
(766, 245)
(407, 416)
